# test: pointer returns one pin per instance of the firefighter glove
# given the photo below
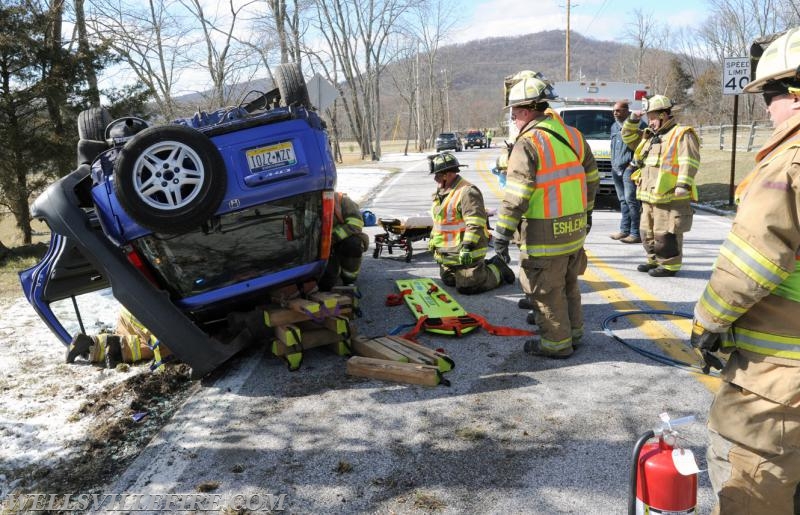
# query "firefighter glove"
(431, 245)
(681, 191)
(501, 249)
(706, 342)
(588, 221)
(465, 255)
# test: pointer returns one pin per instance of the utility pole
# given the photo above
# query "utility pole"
(417, 94)
(447, 98)
(566, 74)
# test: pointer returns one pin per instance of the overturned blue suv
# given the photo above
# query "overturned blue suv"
(191, 221)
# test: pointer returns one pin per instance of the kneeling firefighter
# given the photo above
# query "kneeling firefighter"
(349, 243)
(460, 238)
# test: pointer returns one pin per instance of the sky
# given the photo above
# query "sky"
(598, 19)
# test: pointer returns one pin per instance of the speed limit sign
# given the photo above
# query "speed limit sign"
(735, 75)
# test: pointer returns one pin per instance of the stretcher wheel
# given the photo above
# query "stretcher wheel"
(409, 252)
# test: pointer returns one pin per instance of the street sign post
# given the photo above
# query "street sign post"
(735, 76)
(321, 92)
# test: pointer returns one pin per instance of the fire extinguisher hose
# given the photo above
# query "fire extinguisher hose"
(635, 470)
(655, 356)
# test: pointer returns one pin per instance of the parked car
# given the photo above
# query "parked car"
(449, 141)
(475, 139)
(190, 221)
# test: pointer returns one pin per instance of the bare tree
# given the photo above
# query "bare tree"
(641, 34)
(432, 22)
(359, 33)
(84, 53)
(226, 59)
(150, 39)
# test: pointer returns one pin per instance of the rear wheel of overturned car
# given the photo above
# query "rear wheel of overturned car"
(170, 179)
(92, 123)
(291, 85)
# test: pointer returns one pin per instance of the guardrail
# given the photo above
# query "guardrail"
(749, 138)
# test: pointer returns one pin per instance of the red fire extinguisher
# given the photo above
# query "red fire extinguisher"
(656, 484)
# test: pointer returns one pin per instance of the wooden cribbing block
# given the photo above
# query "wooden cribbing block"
(410, 373)
(305, 306)
(363, 346)
(414, 350)
(290, 334)
(328, 300)
(274, 317)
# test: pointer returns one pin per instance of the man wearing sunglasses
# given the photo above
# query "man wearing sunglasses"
(750, 309)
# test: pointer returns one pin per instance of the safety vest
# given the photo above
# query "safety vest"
(560, 190)
(782, 284)
(668, 161)
(448, 224)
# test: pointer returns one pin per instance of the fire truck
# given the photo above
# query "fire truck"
(587, 106)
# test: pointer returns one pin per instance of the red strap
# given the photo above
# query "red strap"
(412, 334)
(499, 330)
(394, 299)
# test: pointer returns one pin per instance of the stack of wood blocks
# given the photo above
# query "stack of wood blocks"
(393, 358)
(323, 319)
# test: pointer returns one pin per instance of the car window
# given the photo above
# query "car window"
(242, 245)
(593, 124)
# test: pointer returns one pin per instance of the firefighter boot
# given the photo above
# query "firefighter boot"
(113, 351)
(524, 303)
(534, 348)
(506, 274)
(79, 346)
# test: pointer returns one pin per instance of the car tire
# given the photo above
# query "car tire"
(170, 179)
(92, 123)
(291, 85)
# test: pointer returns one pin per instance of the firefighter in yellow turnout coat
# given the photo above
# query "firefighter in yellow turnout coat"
(751, 308)
(349, 243)
(665, 186)
(549, 195)
(459, 237)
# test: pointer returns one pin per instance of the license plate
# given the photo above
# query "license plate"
(272, 156)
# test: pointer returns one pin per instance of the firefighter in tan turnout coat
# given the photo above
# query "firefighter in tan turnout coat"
(670, 159)
(549, 195)
(459, 237)
(751, 308)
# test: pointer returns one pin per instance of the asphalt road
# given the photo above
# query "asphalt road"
(512, 434)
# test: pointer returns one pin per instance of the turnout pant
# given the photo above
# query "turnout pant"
(754, 453)
(661, 228)
(477, 278)
(551, 284)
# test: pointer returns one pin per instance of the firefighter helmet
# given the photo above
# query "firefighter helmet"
(656, 103)
(527, 88)
(779, 63)
(443, 162)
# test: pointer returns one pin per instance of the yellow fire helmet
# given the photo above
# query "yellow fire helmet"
(526, 88)
(779, 62)
(656, 103)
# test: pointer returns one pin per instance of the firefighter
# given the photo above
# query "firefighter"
(459, 237)
(750, 308)
(670, 160)
(349, 243)
(550, 187)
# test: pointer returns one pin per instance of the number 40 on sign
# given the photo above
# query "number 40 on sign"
(735, 75)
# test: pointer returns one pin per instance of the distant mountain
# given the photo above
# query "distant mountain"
(476, 70)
